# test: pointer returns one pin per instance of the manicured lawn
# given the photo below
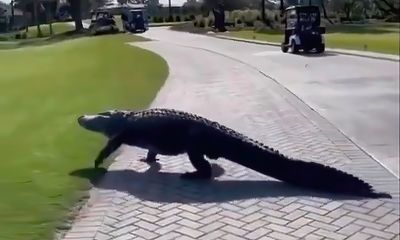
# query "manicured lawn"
(42, 92)
(382, 38)
(8, 41)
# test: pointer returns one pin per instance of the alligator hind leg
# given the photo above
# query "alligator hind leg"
(203, 168)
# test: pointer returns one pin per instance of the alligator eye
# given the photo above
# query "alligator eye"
(107, 113)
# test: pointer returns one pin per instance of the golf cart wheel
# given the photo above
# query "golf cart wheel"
(320, 48)
(293, 47)
(284, 48)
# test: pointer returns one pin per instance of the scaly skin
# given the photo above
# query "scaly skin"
(172, 132)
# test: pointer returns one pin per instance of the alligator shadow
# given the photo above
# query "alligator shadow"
(157, 186)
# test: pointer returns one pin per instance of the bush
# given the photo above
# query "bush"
(249, 24)
(24, 35)
(195, 23)
(155, 19)
(177, 19)
(210, 23)
(202, 23)
(187, 19)
(170, 19)
(192, 17)
(18, 36)
(239, 21)
(160, 19)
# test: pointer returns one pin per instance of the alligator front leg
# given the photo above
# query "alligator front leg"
(111, 146)
(151, 157)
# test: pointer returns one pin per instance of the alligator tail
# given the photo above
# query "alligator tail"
(297, 172)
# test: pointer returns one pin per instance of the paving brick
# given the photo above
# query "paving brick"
(232, 222)
(369, 224)
(394, 228)
(318, 217)
(166, 229)
(299, 222)
(189, 232)
(189, 223)
(270, 212)
(122, 231)
(303, 231)
(388, 219)
(168, 220)
(324, 226)
(295, 215)
(169, 236)
(278, 221)
(213, 235)
(359, 236)
(330, 206)
(314, 210)
(378, 233)
(252, 217)
(362, 216)
(279, 228)
(329, 234)
(291, 207)
(254, 225)
(125, 237)
(313, 237)
(146, 225)
(380, 211)
(145, 234)
(102, 236)
(343, 221)
(350, 229)
(234, 230)
(231, 237)
(211, 219)
(260, 232)
(281, 236)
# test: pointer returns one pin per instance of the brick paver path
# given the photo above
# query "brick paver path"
(138, 201)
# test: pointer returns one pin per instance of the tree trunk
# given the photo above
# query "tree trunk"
(36, 17)
(76, 14)
(169, 10)
(263, 10)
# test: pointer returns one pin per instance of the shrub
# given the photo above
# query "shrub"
(170, 19)
(195, 23)
(202, 23)
(249, 24)
(239, 21)
(177, 18)
(18, 36)
(210, 22)
(192, 17)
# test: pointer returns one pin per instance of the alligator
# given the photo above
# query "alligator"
(172, 132)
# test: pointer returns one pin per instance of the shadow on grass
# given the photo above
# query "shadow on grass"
(69, 35)
(154, 185)
(361, 29)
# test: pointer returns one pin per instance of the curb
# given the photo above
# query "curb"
(372, 55)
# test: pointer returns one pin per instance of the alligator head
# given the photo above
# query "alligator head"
(109, 123)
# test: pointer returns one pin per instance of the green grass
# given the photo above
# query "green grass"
(43, 90)
(381, 38)
(8, 41)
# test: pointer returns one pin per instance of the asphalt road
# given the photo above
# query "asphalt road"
(359, 96)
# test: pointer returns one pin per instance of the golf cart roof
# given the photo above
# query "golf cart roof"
(308, 8)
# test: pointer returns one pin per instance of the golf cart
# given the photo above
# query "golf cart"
(303, 30)
(102, 22)
(134, 20)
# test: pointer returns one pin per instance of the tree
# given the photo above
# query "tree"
(76, 13)
(388, 7)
